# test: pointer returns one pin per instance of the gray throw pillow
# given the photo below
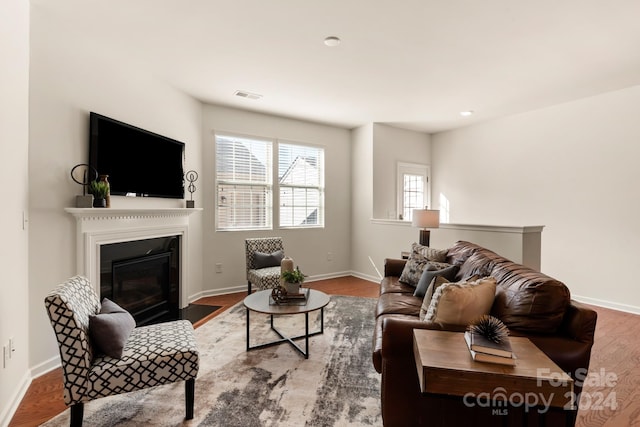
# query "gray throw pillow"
(110, 329)
(263, 260)
(427, 276)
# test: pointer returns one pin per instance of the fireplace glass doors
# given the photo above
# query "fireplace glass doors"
(143, 277)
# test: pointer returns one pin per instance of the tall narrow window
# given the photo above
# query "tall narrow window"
(301, 182)
(243, 183)
(413, 189)
(413, 194)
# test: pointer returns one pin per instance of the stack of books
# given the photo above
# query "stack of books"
(296, 297)
(485, 350)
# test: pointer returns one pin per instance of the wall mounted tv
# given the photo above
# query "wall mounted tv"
(139, 163)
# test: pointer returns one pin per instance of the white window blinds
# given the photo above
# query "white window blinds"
(243, 183)
(301, 183)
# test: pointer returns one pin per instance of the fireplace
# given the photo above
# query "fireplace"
(142, 276)
(98, 229)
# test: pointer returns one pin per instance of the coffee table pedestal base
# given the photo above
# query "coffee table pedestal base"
(290, 340)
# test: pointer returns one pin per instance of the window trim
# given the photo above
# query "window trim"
(274, 186)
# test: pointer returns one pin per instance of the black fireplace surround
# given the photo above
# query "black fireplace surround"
(143, 277)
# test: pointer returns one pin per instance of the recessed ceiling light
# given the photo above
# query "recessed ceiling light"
(245, 94)
(466, 113)
(332, 41)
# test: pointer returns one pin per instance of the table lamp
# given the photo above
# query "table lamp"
(425, 218)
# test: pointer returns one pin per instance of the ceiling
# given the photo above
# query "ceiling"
(414, 64)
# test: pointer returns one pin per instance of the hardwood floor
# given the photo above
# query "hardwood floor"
(614, 379)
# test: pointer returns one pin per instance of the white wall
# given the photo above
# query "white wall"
(308, 247)
(572, 168)
(390, 146)
(14, 139)
(376, 151)
(69, 79)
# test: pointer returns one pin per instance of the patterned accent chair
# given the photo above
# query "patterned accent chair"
(153, 355)
(263, 278)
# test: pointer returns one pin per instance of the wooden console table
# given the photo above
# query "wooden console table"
(534, 392)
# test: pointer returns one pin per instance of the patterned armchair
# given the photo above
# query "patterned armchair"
(266, 277)
(153, 355)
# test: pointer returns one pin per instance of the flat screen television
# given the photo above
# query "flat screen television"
(139, 163)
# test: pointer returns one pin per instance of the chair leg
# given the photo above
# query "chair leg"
(189, 393)
(77, 412)
(248, 288)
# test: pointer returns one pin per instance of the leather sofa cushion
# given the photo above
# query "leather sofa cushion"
(460, 251)
(478, 264)
(527, 300)
(393, 285)
(397, 303)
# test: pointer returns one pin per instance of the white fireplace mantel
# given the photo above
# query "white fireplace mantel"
(101, 226)
(144, 213)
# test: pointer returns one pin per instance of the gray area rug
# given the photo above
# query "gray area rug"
(274, 386)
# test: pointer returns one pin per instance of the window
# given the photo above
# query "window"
(301, 183)
(243, 183)
(245, 189)
(413, 189)
(444, 209)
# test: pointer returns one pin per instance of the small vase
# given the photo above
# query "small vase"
(99, 203)
(105, 179)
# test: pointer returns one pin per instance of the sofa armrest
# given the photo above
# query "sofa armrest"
(394, 267)
(579, 322)
(397, 335)
(401, 400)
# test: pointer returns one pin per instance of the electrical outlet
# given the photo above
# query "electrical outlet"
(218, 268)
(12, 348)
(329, 256)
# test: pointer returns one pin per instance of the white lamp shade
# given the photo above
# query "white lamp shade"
(426, 218)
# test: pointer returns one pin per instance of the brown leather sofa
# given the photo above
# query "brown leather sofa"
(530, 303)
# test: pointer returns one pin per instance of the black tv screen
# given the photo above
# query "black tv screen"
(139, 163)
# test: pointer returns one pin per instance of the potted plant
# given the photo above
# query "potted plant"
(292, 280)
(99, 189)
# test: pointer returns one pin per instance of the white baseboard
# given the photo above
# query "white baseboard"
(219, 291)
(367, 277)
(45, 367)
(12, 406)
(607, 304)
(243, 287)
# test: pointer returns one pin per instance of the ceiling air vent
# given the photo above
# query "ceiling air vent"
(245, 94)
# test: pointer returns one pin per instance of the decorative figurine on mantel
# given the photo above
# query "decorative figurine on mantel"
(84, 174)
(191, 176)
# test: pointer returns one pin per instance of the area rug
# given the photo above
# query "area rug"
(273, 386)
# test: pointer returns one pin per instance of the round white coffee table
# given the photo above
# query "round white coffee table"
(261, 302)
